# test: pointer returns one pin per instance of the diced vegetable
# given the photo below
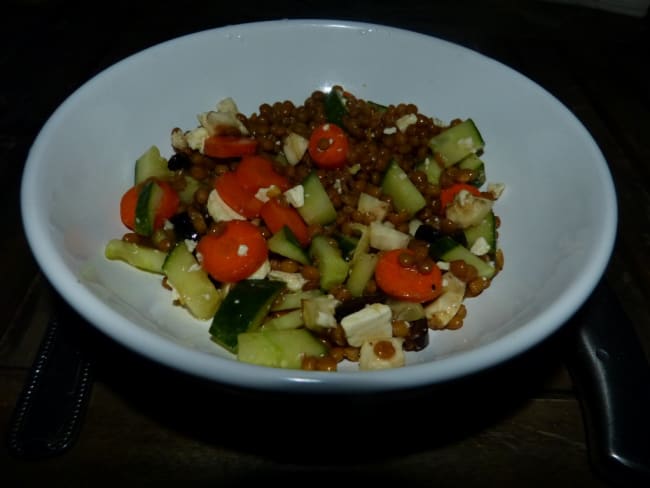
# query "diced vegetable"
(328, 146)
(243, 310)
(194, 288)
(145, 258)
(151, 165)
(331, 265)
(278, 348)
(221, 146)
(234, 254)
(278, 215)
(457, 142)
(406, 282)
(400, 188)
(317, 208)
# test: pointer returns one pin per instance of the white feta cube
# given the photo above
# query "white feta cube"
(371, 322)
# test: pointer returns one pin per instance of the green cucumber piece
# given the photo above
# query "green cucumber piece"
(347, 244)
(145, 210)
(448, 250)
(397, 185)
(186, 195)
(335, 108)
(317, 207)
(361, 271)
(144, 258)
(457, 142)
(195, 290)
(151, 165)
(474, 163)
(293, 300)
(285, 244)
(278, 348)
(432, 169)
(289, 320)
(485, 229)
(333, 268)
(243, 310)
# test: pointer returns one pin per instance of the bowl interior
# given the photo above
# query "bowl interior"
(558, 210)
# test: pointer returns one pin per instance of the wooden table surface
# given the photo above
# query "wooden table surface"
(519, 425)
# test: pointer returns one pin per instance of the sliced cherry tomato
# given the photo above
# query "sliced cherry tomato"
(276, 215)
(406, 283)
(328, 146)
(234, 254)
(255, 172)
(224, 146)
(447, 195)
(237, 197)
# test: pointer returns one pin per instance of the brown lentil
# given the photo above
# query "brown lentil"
(384, 349)
(375, 141)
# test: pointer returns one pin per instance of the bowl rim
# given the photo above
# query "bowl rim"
(215, 368)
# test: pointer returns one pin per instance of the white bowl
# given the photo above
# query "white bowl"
(558, 211)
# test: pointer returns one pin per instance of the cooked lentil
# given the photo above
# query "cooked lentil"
(377, 135)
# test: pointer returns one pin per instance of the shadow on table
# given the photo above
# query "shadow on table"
(315, 428)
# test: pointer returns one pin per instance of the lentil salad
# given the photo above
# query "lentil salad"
(337, 229)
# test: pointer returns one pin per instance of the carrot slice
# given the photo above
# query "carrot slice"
(234, 254)
(168, 204)
(328, 146)
(276, 215)
(406, 283)
(167, 207)
(127, 206)
(447, 195)
(220, 146)
(255, 172)
(237, 197)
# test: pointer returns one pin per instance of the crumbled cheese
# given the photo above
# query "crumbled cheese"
(337, 186)
(496, 189)
(480, 247)
(242, 250)
(390, 130)
(443, 265)
(227, 105)
(371, 322)
(294, 148)
(214, 122)
(167, 225)
(319, 311)
(261, 272)
(219, 210)
(294, 281)
(405, 120)
(295, 196)
(194, 267)
(178, 139)
(190, 244)
(265, 194)
(196, 137)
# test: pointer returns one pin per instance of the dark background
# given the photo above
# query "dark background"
(519, 425)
